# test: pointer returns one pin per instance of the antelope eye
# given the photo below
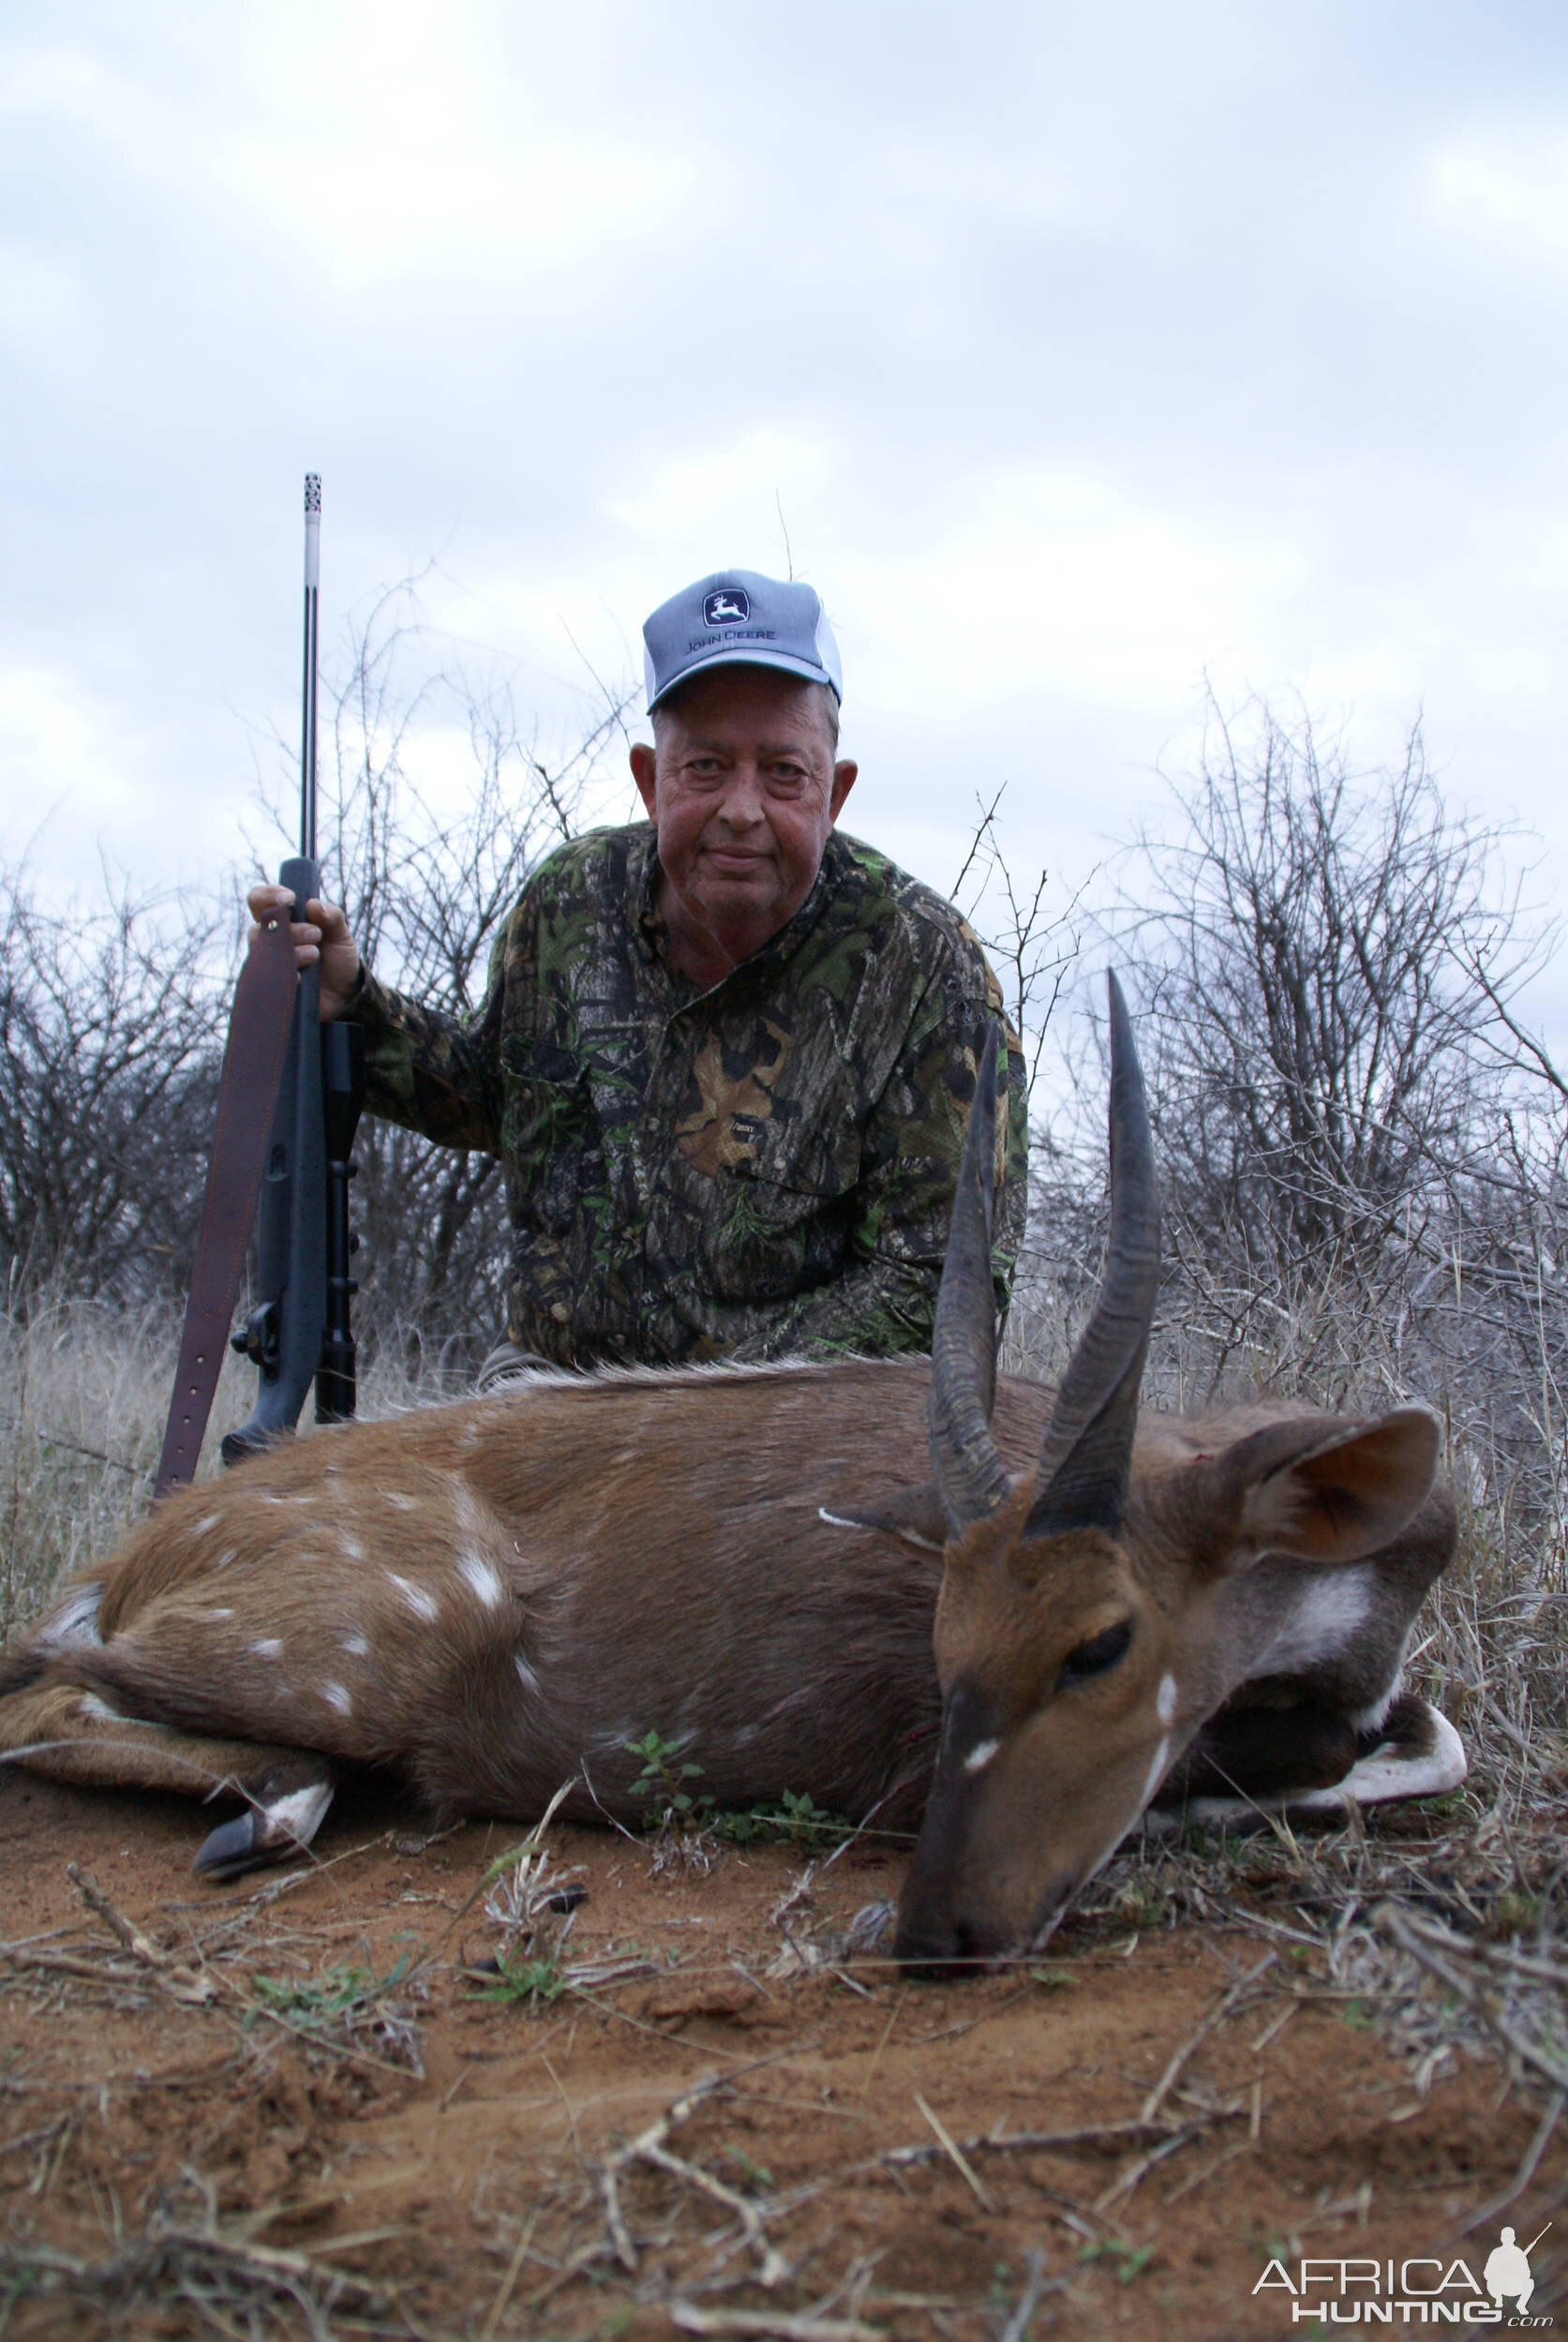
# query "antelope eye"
(1097, 1656)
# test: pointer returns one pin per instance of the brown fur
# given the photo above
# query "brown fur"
(650, 1547)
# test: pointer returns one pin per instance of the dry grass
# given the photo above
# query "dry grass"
(83, 1388)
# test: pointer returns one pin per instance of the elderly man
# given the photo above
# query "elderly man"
(726, 1054)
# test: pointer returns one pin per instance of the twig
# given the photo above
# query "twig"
(886, 2034)
(786, 2327)
(1207, 2170)
(1433, 1947)
(1139, 2172)
(1215, 2017)
(1026, 2142)
(946, 2137)
(1526, 2173)
(1036, 2284)
(194, 1986)
(625, 2251)
(509, 2280)
(651, 2147)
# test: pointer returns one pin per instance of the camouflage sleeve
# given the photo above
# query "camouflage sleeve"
(914, 1143)
(430, 1071)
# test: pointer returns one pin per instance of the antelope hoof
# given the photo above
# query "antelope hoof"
(268, 1831)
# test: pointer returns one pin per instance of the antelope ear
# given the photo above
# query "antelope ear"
(1330, 1493)
(914, 1514)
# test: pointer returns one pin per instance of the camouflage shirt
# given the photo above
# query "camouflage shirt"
(762, 1170)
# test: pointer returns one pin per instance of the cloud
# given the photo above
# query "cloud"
(1511, 191)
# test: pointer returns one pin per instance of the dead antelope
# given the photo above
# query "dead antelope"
(489, 1599)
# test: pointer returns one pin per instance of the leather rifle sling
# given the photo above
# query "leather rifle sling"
(253, 1057)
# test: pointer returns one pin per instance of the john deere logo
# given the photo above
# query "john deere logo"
(729, 607)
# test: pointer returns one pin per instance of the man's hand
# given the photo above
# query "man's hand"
(325, 940)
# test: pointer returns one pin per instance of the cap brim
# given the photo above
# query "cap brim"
(745, 656)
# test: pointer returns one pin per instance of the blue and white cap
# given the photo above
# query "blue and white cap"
(737, 615)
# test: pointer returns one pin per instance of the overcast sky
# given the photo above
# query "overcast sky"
(1089, 351)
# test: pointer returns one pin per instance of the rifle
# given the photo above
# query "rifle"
(289, 1104)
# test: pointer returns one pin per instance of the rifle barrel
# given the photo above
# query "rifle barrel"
(308, 727)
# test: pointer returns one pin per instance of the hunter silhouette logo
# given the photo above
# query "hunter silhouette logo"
(729, 607)
(1506, 2275)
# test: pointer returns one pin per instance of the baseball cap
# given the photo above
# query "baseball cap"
(739, 615)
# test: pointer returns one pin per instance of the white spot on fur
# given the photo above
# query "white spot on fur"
(335, 1696)
(76, 1622)
(224, 1558)
(980, 1755)
(483, 1577)
(1165, 1699)
(210, 1617)
(423, 1604)
(200, 1529)
(526, 1675)
(404, 1504)
(1156, 1772)
(355, 1645)
(268, 1647)
(352, 1549)
(1331, 1612)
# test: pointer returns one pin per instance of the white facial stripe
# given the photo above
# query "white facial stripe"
(1156, 1772)
(980, 1755)
(1329, 1612)
(1165, 1701)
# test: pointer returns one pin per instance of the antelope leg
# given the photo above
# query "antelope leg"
(77, 1737)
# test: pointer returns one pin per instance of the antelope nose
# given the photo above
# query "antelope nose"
(936, 1950)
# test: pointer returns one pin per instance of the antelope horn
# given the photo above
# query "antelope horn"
(1082, 1476)
(971, 1478)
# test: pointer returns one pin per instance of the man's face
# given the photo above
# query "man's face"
(743, 788)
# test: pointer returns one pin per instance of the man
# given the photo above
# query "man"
(727, 1055)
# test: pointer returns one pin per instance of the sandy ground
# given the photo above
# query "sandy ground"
(244, 2120)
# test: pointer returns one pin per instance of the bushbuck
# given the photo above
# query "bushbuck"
(490, 1598)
